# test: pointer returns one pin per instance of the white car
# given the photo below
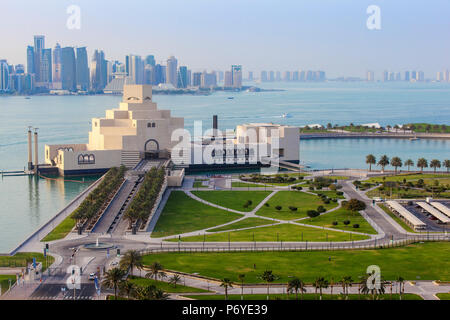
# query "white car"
(91, 276)
(114, 263)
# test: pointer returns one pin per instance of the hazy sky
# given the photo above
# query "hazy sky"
(213, 34)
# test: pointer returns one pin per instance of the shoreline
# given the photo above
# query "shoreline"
(369, 135)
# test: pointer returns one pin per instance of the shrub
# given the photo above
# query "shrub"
(278, 208)
(346, 222)
(267, 204)
(311, 188)
(293, 209)
(321, 209)
(332, 187)
(339, 193)
(335, 223)
(356, 226)
(312, 213)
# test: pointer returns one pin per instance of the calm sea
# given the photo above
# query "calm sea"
(27, 203)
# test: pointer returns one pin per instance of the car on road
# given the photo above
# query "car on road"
(114, 263)
(91, 276)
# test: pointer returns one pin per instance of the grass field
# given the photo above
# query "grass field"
(238, 184)
(405, 194)
(429, 261)
(165, 286)
(339, 215)
(329, 194)
(233, 199)
(443, 296)
(20, 259)
(281, 232)
(306, 296)
(397, 219)
(199, 184)
(4, 282)
(245, 223)
(408, 177)
(303, 201)
(61, 230)
(184, 214)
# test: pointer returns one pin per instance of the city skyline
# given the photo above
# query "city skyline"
(326, 36)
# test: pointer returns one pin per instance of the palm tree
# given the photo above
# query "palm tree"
(346, 283)
(113, 278)
(409, 163)
(296, 285)
(268, 277)
(130, 260)
(396, 162)
(174, 280)
(242, 278)
(145, 293)
(155, 271)
(321, 283)
(435, 163)
(374, 289)
(446, 164)
(383, 162)
(159, 294)
(226, 283)
(370, 160)
(422, 163)
(401, 283)
(127, 288)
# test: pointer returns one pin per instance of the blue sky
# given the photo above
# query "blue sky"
(212, 34)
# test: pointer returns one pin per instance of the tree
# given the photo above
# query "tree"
(354, 205)
(409, 163)
(130, 260)
(321, 283)
(242, 278)
(369, 285)
(127, 288)
(174, 280)
(312, 213)
(435, 163)
(401, 284)
(422, 163)
(446, 164)
(113, 278)
(396, 162)
(296, 285)
(268, 277)
(155, 270)
(226, 283)
(383, 162)
(370, 160)
(346, 283)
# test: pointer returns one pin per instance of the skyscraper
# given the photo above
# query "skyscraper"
(228, 81)
(263, 76)
(68, 69)
(407, 78)
(136, 69)
(150, 60)
(171, 71)
(82, 69)
(46, 68)
(197, 79)
(182, 77)
(4, 76)
(99, 71)
(30, 59)
(236, 71)
(370, 76)
(39, 45)
(57, 60)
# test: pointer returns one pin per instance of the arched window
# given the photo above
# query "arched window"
(91, 159)
(80, 159)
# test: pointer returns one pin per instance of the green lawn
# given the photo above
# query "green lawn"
(329, 194)
(303, 201)
(397, 219)
(398, 193)
(238, 184)
(20, 259)
(443, 296)
(408, 177)
(429, 261)
(245, 223)
(165, 286)
(61, 230)
(339, 215)
(281, 232)
(4, 282)
(184, 214)
(233, 199)
(433, 128)
(306, 296)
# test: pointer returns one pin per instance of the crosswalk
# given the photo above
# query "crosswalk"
(65, 297)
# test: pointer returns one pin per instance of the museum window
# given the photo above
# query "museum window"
(86, 159)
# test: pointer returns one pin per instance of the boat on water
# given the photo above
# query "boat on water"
(27, 98)
(230, 98)
(413, 139)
